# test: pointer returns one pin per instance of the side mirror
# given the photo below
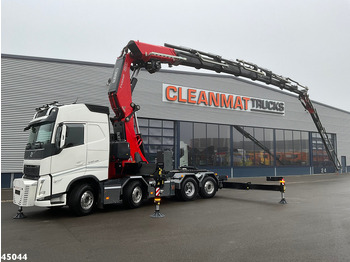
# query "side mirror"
(63, 136)
(60, 137)
(182, 152)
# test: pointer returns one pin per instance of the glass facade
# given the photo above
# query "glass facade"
(319, 154)
(224, 151)
(204, 144)
(158, 135)
(252, 146)
(232, 146)
(292, 148)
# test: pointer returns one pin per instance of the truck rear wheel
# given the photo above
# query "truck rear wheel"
(82, 200)
(209, 187)
(133, 195)
(189, 189)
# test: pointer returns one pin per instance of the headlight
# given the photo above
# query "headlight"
(43, 187)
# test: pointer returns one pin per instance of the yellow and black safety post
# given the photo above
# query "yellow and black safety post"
(283, 190)
(159, 184)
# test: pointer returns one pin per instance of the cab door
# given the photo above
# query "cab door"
(97, 150)
(70, 161)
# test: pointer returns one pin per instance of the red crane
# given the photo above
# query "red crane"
(137, 55)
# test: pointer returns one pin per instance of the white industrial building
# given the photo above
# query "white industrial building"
(205, 120)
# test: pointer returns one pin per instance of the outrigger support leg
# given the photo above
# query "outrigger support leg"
(157, 213)
(283, 200)
(283, 189)
(158, 185)
(19, 214)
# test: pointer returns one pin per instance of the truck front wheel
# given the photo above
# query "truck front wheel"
(82, 200)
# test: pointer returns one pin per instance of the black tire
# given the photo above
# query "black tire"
(82, 200)
(189, 189)
(133, 195)
(209, 187)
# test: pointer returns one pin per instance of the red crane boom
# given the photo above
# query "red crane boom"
(137, 55)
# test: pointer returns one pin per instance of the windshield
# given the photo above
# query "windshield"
(40, 135)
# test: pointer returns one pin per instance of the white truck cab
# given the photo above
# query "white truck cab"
(66, 143)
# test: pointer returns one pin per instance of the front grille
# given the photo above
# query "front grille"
(31, 172)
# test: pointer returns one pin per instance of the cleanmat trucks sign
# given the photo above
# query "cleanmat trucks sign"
(206, 98)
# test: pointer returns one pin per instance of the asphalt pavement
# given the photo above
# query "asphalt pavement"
(235, 225)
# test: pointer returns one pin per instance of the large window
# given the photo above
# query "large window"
(158, 135)
(252, 146)
(223, 153)
(292, 148)
(200, 148)
(186, 144)
(320, 157)
(204, 144)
